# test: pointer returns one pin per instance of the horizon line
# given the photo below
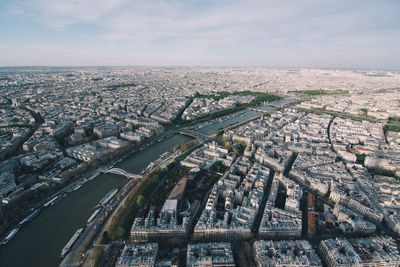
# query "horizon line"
(195, 66)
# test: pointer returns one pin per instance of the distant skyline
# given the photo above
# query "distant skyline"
(307, 33)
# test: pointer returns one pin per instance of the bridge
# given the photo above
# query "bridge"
(260, 110)
(194, 134)
(275, 105)
(273, 108)
(121, 172)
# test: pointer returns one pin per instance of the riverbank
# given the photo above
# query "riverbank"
(41, 240)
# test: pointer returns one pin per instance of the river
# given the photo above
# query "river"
(241, 116)
(214, 126)
(39, 243)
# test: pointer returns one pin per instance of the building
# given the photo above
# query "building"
(362, 252)
(287, 222)
(138, 255)
(210, 254)
(285, 253)
(351, 221)
(377, 251)
(205, 156)
(241, 190)
(339, 252)
(7, 183)
(84, 152)
(111, 142)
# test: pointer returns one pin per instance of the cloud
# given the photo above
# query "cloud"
(153, 20)
(62, 13)
(230, 31)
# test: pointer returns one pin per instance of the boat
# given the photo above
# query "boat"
(48, 203)
(108, 197)
(150, 166)
(9, 236)
(59, 197)
(29, 217)
(93, 216)
(71, 242)
(77, 187)
(91, 178)
(55, 199)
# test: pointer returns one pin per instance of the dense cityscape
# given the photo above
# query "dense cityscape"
(199, 167)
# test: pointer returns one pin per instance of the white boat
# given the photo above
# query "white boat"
(71, 242)
(55, 199)
(77, 187)
(9, 236)
(50, 201)
(29, 217)
(108, 197)
(93, 216)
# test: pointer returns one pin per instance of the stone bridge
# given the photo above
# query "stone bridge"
(194, 134)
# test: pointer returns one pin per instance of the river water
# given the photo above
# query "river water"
(39, 243)
(208, 129)
(248, 114)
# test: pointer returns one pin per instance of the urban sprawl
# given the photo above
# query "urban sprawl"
(311, 179)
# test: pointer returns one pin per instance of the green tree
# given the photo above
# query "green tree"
(140, 201)
(361, 158)
(120, 232)
(155, 178)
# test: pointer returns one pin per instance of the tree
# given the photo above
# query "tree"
(155, 178)
(106, 238)
(361, 158)
(140, 200)
(120, 232)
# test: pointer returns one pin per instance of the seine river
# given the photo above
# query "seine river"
(39, 243)
(208, 129)
(247, 114)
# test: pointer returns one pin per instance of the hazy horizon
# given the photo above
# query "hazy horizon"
(196, 66)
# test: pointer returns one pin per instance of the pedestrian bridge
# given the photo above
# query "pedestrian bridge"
(121, 172)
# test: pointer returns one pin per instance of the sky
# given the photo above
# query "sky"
(362, 34)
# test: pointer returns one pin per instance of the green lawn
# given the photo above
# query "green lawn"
(319, 92)
(393, 124)
(260, 97)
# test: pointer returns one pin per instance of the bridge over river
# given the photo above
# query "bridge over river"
(121, 172)
(188, 132)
